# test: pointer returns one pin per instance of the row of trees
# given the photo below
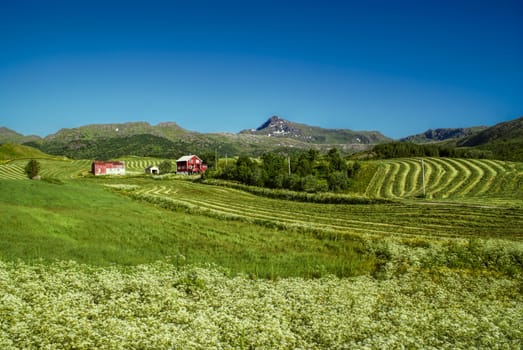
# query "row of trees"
(407, 149)
(303, 171)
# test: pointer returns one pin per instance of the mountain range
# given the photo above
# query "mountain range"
(169, 140)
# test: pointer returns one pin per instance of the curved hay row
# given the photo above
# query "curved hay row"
(450, 176)
(445, 178)
(12, 172)
(400, 182)
(412, 181)
(378, 181)
(64, 169)
(392, 187)
(399, 220)
(473, 176)
(373, 188)
(140, 164)
(253, 209)
(436, 175)
(488, 176)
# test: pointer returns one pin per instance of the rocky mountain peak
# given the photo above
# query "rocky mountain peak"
(276, 126)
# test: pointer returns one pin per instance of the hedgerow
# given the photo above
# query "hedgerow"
(325, 198)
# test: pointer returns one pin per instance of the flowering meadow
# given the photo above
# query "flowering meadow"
(66, 305)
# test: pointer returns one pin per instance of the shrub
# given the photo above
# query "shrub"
(32, 169)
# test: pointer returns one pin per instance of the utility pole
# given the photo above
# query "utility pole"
(289, 161)
(423, 176)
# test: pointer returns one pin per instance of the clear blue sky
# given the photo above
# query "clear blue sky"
(399, 67)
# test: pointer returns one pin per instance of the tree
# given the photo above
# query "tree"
(337, 163)
(165, 167)
(303, 166)
(32, 169)
(275, 168)
(338, 181)
(244, 169)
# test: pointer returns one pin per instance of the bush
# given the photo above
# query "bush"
(32, 169)
(165, 167)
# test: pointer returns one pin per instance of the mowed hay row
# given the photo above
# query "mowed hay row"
(378, 180)
(12, 171)
(64, 169)
(446, 178)
(382, 220)
(412, 179)
(268, 212)
(56, 169)
(141, 164)
(437, 187)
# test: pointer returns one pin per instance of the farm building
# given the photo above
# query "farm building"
(152, 169)
(190, 165)
(108, 168)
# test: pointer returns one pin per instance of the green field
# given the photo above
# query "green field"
(162, 262)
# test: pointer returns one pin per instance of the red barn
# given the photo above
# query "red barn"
(108, 168)
(190, 165)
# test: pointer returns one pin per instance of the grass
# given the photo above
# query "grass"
(83, 221)
(392, 220)
(134, 220)
(445, 179)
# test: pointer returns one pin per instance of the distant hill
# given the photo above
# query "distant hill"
(103, 131)
(443, 134)
(169, 140)
(504, 140)
(278, 127)
(11, 151)
(8, 135)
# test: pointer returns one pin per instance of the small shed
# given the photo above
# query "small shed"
(190, 165)
(108, 168)
(152, 169)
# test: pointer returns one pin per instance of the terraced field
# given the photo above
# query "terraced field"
(447, 178)
(57, 169)
(401, 219)
(466, 198)
(66, 169)
(136, 165)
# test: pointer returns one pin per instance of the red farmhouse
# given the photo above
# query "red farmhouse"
(190, 165)
(108, 168)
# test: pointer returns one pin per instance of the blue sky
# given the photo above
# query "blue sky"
(399, 67)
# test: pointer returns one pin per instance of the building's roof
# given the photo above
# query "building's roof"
(186, 158)
(105, 162)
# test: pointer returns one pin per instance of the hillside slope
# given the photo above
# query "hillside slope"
(8, 136)
(10, 151)
(443, 134)
(168, 140)
(169, 130)
(504, 140)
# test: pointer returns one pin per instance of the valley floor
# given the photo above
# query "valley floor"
(141, 262)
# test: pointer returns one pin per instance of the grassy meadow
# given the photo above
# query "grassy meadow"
(163, 262)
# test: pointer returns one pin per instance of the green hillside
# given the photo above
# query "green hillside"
(443, 134)
(504, 140)
(11, 151)
(8, 136)
(169, 130)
